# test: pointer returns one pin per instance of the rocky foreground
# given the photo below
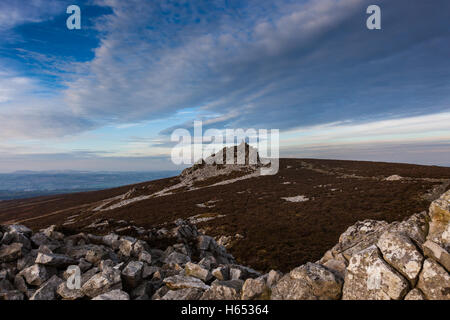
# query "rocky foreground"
(373, 260)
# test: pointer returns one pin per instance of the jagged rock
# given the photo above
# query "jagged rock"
(196, 271)
(434, 281)
(27, 260)
(143, 291)
(440, 221)
(183, 294)
(401, 253)
(338, 267)
(17, 228)
(177, 258)
(35, 275)
(96, 254)
(132, 274)
(47, 290)
(161, 292)
(51, 232)
(273, 277)
(126, 245)
(138, 247)
(308, 282)
(415, 227)
(358, 237)
(415, 294)
(102, 282)
(369, 277)
(241, 272)
(75, 293)
(149, 271)
(111, 240)
(146, 257)
(54, 260)
(255, 289)
(182, 282)
(208, 262)
(224, 290)
(113, 295)
(433, 250)
(13, 295)
(221, 273)
(11, 252)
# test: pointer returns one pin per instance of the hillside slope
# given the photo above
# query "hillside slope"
(267, 222)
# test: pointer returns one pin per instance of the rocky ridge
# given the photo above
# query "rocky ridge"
(373, 260)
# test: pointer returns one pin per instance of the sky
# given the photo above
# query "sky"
(108, 96)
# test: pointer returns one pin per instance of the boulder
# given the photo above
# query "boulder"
(436, 252)
(146, 257)
(183, 294)
(196, 271)
(48, 290)
(177, 258)
(440, 221)
(401, 253)
(434, 281)
(182, 282)
(308, 282)
(273, 277)
(369, 277)
(415, 294)
(102, 282)
(36, 275)
(126, 246)
(113, 295)
(255, 289)
(224, 290)
(54, 260)
(221, 273)
(12, 252)
(132, 274)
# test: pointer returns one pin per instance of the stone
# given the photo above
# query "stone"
(96, 254)
(369, 277)
(415, 294)
(12, 252)
(177, 258)
(54, 260)
(111, 240)
(196, 271)
(255, 289)
(338, 267)
(183, 294)
(221, 273)
(273, 277)
(113, 295)
(48, 290)
(126, 245)
(146, 257)
(143, 291)
(132, 274)
(35, 275)
(69, 294)
(224, 290)
(434, 281)
(13, 295)
(182, 282)
(148, 271)
(433, 250)
(401, 253)
(440, 221)
(102, 282)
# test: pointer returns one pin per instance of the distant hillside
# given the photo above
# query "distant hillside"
(27, 184)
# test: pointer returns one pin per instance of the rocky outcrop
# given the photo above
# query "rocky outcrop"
(372, 260)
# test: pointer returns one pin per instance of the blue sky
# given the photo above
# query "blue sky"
(107, 97)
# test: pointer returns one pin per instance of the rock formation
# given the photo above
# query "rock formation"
(373, 260)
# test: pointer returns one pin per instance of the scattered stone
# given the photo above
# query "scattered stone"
(35, 275)
(132, 274)
(47, 290)
(183, 294)
(196, 271)
(255, 289)
(54, 260)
